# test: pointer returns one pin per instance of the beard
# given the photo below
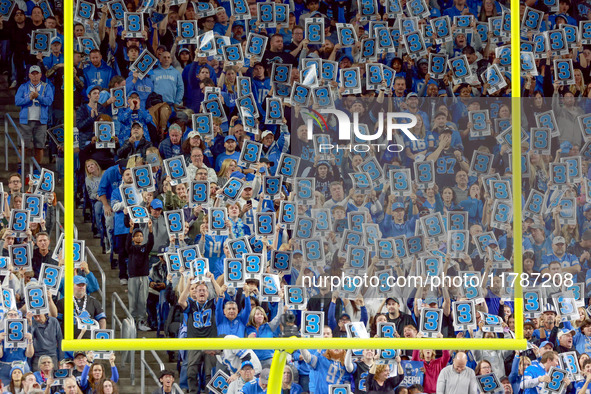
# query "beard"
(335, 355)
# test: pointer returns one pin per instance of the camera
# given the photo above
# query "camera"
(288, 325)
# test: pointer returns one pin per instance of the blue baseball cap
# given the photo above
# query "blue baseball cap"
(91, 88)
(565, 147)
(156, 204)
(246, 363)
(546, 343)
(230, 137)
(237, 174)
(79, 280)
(397, 205)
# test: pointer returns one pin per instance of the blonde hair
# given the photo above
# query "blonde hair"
(251, 316)
(225, 164)
(96, 164)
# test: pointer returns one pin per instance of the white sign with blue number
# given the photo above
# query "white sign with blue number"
(138, 214)
(175, 223)
(14, 333)
(51, 276)
(6, 7)
(430, 322)
(36, 299)
(143, 64)
(117, 9)
(34, 204)
(565, 305)
(312, 324)
(557, 383)
(220, 381)
(489, 383)
(564, 73)
(102, 334)
(187, 31)
(40, 42)
(458, 242)
(548, 120)
(134, 25)
(217, 221)
(433, 227)
(464, 315)
(176, 169)
(480, 124)
(143, 178)
(199, 194)
(269, 286)
(19, 221)
(295, 298)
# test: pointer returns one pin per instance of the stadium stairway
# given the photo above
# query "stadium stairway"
(85, 232)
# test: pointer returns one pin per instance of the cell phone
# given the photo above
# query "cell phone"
(249, 202)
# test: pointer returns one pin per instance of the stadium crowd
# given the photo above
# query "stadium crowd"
(196, 169)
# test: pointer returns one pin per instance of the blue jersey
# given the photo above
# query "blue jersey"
(328, 372)
(214, 251)
(532, 372)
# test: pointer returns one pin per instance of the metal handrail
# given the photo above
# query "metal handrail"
(59, 227)
(116, 323)
(144, 364)
(102, 290)
(7, 138)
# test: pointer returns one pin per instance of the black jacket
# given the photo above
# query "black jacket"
(139, 256)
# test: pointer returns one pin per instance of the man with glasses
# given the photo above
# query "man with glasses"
(197, 163)
(34, 97)
(84, 306)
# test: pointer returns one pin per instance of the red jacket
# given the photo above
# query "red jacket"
(432, 369)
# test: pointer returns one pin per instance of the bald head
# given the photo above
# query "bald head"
(70, 386)
(460, 362)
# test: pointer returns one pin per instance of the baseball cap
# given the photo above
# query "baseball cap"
(131, 93)
(393, 299)
(229, 138)
(79, 280)
(265, 160)
(549, 308)
(184, 50)
(430, 300)
(90, 88)
(137, 123)
(536, 226)
(565, 331)
(345, 315)
(246, 363)
(266, 133)
(136, 230)
(264, 378)
(565, 147)
(546, 343)
(412, 94)
(56, 39)
(558, 240)
(67, 361)
(323, 163)
(35, 69)
(156, 204)
(423, 60)
(193, 134)
(397, 205)
(79, 353)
